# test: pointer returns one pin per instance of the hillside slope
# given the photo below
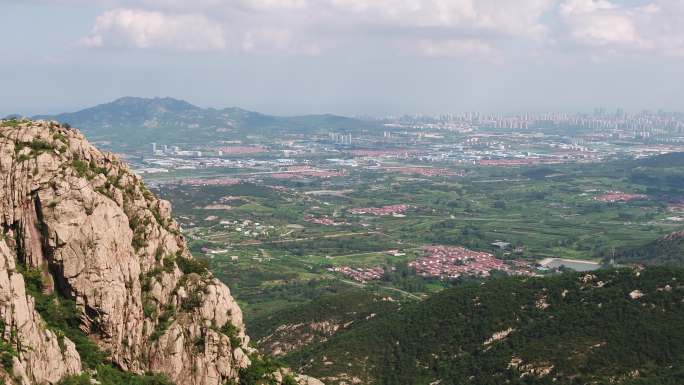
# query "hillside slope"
(617, 327)
(134, 122)
(668, 250)
(661, 175)
(295, 328)
(93, 270)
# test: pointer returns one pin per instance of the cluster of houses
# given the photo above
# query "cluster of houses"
(223, 181)
(306, 171)
(453, 262)
(324, 221)
(425, 171)
(617, 196)
(382, 211)
(676, 207)
(240, 150)
(383, 153)
(247, 228)
(360, 274)
(522, 161)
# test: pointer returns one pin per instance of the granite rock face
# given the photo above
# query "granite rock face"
(39, 356)
(97, 236)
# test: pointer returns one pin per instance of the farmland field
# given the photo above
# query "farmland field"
(278, 241)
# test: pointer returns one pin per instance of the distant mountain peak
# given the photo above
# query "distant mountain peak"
(159, 102)
(134, 122)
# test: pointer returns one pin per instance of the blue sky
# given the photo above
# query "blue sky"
(344, 56)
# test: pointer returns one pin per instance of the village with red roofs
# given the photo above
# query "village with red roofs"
(453, 262)
(617, 196)
(360, 274)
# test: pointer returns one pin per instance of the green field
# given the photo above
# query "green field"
(271, 256)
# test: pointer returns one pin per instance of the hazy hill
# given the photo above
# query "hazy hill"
(661, 175)
(674, 159)
(662, 178)
(617, 327)
(134, 122)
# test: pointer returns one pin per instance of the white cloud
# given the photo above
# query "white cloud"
(518, 18)
(443, 28)
(585, 6)
(269, 40)
(138, 28)
(312, 26)
(424, 27)
(454, 47)
(275, 5)
(651, 27)
(600, 22)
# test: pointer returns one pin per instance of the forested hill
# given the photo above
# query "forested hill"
(132, 122)
(621, 327)
(294, 328)
(668, 250)
(662, 175)
(673, 159)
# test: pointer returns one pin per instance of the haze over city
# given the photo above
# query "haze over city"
(349, 57)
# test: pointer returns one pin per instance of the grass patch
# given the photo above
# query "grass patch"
(62, 317)
(108, 375)
(191, 265)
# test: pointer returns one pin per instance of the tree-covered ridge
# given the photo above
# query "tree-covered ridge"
(668, 250)
(314, 322)
(614, 326)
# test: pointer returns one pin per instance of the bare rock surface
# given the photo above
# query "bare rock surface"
(101, 239)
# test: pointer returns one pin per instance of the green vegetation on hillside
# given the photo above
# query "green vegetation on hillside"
(262, 370)
(107, 375)
(664, 251)
(62, 317)
(336, 311)
(272, 256)
(565, 329)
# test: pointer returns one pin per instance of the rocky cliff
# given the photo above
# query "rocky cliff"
(78, 227)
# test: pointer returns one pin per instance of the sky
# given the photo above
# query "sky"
(351, 57)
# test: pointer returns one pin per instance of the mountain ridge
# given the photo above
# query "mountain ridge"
(133, 121)
(606, 327)
(666, 250)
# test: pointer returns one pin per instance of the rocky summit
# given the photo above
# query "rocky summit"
(82, 234)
